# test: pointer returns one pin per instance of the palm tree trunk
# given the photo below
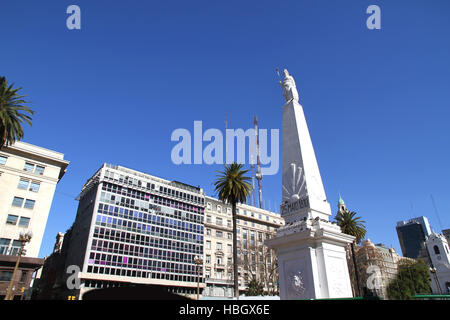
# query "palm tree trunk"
(235, 260)
(356, 269)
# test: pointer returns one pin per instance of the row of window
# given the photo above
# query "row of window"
(185, 233)
(218, 246)
(150, 186)
(29, 167)
(219, 234)
(8, 248)
(155, 219)
(139, 195)
(23, 221)
(111, 260)
(220, 209)
(34, 168)
(144, 246)
(19, 202)
(6, 275)
(139, 274)
(27, 184)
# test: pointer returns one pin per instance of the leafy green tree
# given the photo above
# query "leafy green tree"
(232, 187)
(352, 225)
(255, 288)
(412, 278)
(13, 113)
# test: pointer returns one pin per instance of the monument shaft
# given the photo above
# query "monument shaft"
(310, 249)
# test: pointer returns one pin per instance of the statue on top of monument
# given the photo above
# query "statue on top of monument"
(289, 89)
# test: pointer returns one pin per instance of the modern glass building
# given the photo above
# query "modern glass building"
(412, 235)
(135, 228)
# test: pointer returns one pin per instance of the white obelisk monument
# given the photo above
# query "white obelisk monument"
(310, 249)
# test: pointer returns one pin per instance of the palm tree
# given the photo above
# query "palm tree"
(12, 113)
(354, 226)
(232, 186)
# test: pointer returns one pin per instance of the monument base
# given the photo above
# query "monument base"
(312, 261)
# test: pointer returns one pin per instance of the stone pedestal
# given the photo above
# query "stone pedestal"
(312, 260)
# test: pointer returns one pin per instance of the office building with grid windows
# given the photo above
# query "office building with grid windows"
(28, 178)
(134, 228)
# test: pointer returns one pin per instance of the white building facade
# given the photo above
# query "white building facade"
(439, 254)
(28, 178)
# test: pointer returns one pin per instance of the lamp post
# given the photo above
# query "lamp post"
(433, 272)
(198, 262)
(24, 237)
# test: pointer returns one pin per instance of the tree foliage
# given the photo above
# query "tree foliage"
(13, 113)
(255, 288)
(232, 186)
(412, 278)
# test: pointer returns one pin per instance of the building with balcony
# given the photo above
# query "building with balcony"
(28, 178)
(254, 225)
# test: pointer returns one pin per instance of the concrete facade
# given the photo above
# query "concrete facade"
(28, 178)
(254, 225)
(439, 254)
(385, 259)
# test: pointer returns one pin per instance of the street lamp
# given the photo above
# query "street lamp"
(433, 272)
(198, 261)
(24, 237)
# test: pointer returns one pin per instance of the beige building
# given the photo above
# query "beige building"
(254, 225)
(28, 178)
(385, 259)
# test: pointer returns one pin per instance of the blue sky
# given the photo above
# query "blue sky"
(376, 101)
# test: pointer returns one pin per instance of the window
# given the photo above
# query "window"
(219, 234)
(11, 219)
(219, 246)
(34, 186)
(29, 167)
(23, 277)
(39, 170)
(15, 248)
(29, 204)
(17, 202)
(436, 250)
(23, 184)
(6, 275)
(230, 236)
(208, 245)
(4, 244)
(24, 222)
(208, 259)
(229, 248)
(3, 160)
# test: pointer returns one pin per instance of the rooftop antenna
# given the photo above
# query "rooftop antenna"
(435, 210)
(252, 166)
(226, 145)
(258, 164)
(412, 209)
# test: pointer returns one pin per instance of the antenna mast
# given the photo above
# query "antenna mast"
(258, 164)
(252, 166)
(437, 214)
